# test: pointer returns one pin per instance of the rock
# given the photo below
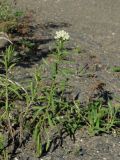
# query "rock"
(4, 40)
(3, 43)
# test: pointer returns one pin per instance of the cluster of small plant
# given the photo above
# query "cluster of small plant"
(40, 111)
(116, 69)
(8, 17)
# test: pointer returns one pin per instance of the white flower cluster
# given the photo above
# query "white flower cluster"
(62, 35)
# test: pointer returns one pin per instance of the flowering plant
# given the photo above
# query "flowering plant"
(61, 37)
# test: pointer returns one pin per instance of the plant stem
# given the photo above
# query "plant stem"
(7, 96)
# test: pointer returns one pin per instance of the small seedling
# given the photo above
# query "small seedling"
(116, 69)
(77, 50)
(18, 14)
(95, 117)
(26, 43)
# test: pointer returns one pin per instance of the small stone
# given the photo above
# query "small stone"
(113, 33)
(15, 158)
(4, 40)
(3, 43)
(81, 152)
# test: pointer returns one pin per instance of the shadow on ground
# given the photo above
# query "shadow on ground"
(27, 55)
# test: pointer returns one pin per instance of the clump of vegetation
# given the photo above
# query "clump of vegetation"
(116, 69)
(102, 118)
(5, 11)
(8, 17)
(43, 111)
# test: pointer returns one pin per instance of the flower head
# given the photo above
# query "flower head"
(62, 35)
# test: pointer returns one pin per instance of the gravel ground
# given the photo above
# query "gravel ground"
(94, 26)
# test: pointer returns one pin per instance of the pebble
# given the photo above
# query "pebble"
(3, 43)
(15, 158)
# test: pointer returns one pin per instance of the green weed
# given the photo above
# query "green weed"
(42, 109)
(7, 13)
(116, 69)
(26, 43)
(8, 17)
(101, 118)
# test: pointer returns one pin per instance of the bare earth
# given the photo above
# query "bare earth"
(94, 26)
